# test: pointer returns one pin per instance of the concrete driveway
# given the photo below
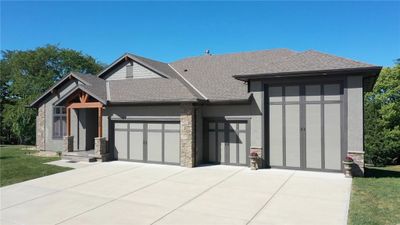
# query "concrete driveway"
(135, 193)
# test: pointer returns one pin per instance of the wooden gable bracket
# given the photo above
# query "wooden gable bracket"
(83, 97)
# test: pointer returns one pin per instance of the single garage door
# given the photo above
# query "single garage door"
(305, 126)
(157, 142)
(227, 142)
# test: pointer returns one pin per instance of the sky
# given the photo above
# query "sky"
(168, 31)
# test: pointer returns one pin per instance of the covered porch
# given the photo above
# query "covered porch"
(84, 139)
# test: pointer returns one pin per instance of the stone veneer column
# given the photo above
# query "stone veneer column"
(187, 126)
(40, 127)
(68, 145)
(100, 148)
(358, 167)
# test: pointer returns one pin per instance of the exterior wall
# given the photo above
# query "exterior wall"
(138, 71)
(251, 112)
(40, 128)
(355, 130)
(52, 144)
(199, 136)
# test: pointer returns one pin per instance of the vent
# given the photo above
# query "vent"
(129, 70)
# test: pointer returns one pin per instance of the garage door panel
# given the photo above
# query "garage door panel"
(232, 145)
(172, 143)
(292, 113)
(136, 145)
(121, 144)
(313, 136)
(276, 137)
(332, 136)
(242, 148)
(154, 145)
(221, 146)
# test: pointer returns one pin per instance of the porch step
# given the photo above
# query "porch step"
(81, 156)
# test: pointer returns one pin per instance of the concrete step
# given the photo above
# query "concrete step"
(78, 158)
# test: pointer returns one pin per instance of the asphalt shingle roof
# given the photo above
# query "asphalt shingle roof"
(209, 77)
(149, 90)
(307, 61)
(95, 85)
(212, 74)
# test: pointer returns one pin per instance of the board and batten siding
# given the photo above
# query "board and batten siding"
(138, 72)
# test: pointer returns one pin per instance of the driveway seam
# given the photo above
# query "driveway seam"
(60, 190)
(269, 199)
(119, 197)
(196, 196)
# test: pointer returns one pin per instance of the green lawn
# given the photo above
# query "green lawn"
(18, 164)
(375, 199)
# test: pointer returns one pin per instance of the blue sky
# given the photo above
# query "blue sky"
(167, 31)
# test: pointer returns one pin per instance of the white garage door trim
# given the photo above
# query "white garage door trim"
(158, 134)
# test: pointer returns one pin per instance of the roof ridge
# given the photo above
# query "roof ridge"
(236, 53)
(338, 57)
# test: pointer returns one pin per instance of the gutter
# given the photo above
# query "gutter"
(373, 70)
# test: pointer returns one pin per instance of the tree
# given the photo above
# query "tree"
(382, 118)
(27, 74)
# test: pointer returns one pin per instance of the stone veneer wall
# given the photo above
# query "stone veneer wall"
(40, 127)
(358, 167)
(187, 136)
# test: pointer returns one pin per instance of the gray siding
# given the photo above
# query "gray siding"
(355, 114)
(138, 72)
(251, 112)
(52, 144)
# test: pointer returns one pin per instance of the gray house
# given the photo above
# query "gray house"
(297, 110)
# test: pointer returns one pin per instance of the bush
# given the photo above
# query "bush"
(382, 119)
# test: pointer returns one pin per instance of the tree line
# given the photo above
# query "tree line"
(25, 75)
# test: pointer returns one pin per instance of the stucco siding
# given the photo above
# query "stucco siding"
(355, 114)
(251, 112)
(138, 71)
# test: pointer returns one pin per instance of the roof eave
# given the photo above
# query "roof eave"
(368, 71)
(38, 100)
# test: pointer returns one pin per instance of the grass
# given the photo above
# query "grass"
(375, 199)
(17, 164)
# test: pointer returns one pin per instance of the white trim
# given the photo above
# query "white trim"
(108, 93)
(191, 85)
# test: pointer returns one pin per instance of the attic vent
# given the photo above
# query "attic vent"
(129, 70)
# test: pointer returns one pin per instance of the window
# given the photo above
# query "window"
(59, 122)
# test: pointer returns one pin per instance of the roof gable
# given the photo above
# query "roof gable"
(141, 67)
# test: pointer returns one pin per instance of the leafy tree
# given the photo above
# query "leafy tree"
(382, 118)
(27, 74)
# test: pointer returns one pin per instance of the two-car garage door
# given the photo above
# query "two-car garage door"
(157, 142)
